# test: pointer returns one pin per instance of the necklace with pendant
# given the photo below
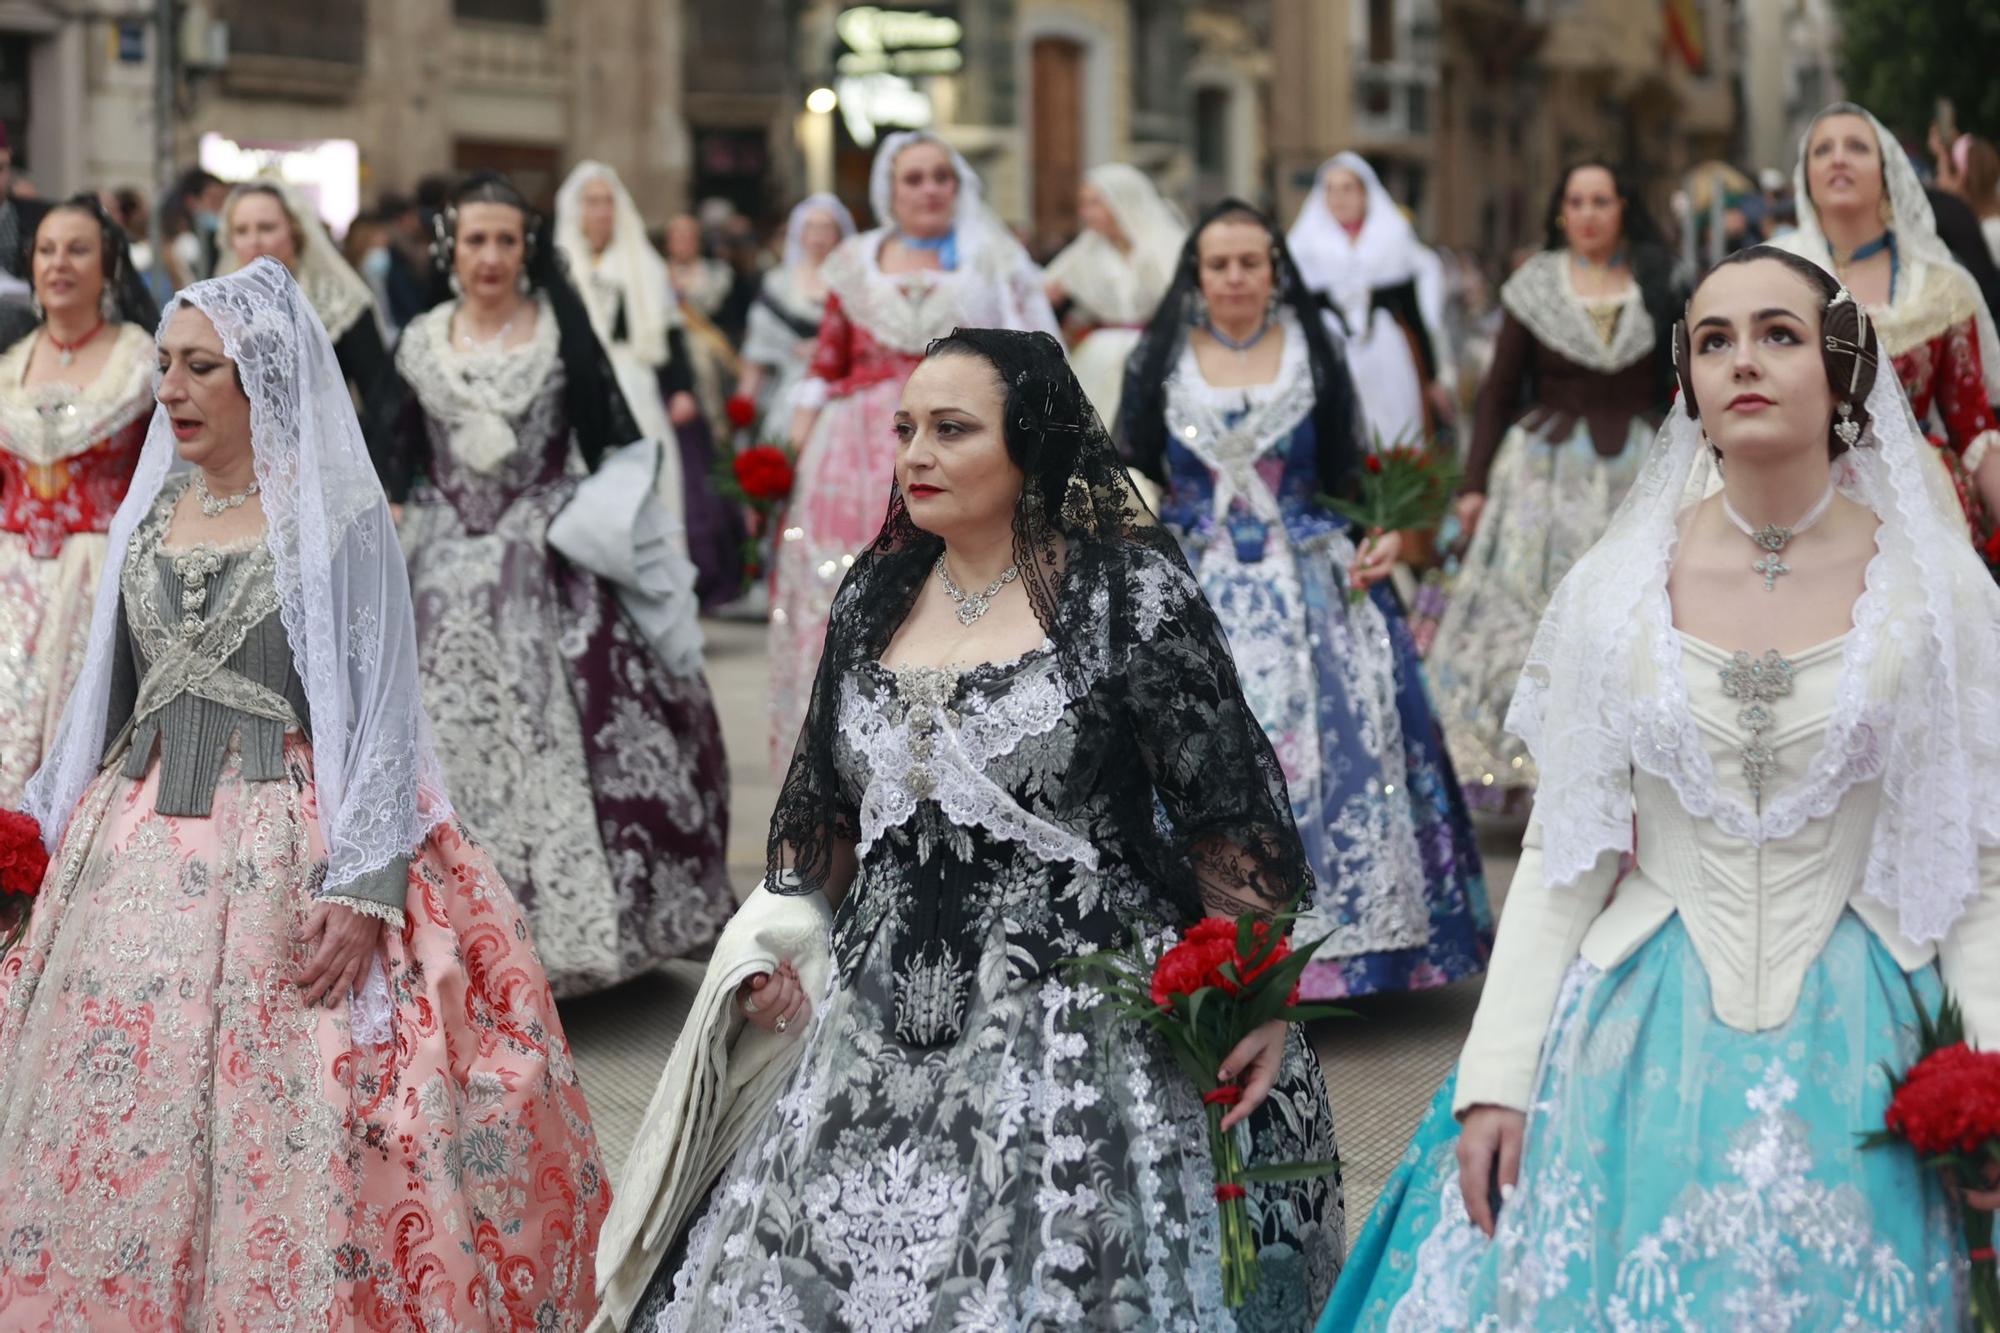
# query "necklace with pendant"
(972, 606)
(66, 352)
(1773, 539)
(214, 506)
(496, 343)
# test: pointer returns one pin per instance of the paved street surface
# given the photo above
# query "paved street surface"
(1382, 1066)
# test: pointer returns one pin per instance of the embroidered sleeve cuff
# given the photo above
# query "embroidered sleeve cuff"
(380, 894)
(1975, 453)
(810, 394)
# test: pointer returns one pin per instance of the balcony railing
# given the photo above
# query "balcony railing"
(335, 31)
(528, 13)
(1393, 101)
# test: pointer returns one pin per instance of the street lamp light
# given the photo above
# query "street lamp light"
(822, 101)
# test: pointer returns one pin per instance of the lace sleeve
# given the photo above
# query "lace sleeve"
(1209, 762)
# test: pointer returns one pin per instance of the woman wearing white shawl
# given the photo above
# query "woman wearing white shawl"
(276, 1025)
(270, 217)
(1864, 218)
(1767, 834)
(1114, 274)
(1355, 248)
(783, 327)
(937, 259)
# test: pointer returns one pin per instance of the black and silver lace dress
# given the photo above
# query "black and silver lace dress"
(973, 1139)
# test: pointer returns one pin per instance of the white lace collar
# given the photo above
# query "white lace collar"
(1198, 411)
(1542, 297)
(905, 311)
(477, 395)
(47, 423)
(1667, 741)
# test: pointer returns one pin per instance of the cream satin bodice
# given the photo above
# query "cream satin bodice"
(1757, 914)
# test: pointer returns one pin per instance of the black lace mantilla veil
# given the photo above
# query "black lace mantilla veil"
(1215, 826)
(1338, 427)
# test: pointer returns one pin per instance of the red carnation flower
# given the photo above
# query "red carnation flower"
(23, 861)
(742, 411)
(765, 474)
(1373, 463)
(1950, 1103)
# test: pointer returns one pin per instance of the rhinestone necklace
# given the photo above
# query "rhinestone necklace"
(213, 506)
(971, 606)
(1773, 539)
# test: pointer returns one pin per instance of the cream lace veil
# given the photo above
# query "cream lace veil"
(630, 264)
(338, 294)
(1590, 710)
(344, 594)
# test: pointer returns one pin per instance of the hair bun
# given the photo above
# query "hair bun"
(1853, 358)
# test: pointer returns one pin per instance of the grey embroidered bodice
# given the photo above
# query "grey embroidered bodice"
(203, 666)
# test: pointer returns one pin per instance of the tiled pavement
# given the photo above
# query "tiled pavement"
(1382, 1066)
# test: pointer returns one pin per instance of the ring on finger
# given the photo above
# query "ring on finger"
(782, 1024)
(750, 1006)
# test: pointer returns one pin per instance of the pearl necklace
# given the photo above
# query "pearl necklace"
(213, 506)
(972, 606)
(1773, 539)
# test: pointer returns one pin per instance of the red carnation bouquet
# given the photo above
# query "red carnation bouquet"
(1403, 488)
(1947, 1107)
(1221, 982)
(23, 862)
(760, 479)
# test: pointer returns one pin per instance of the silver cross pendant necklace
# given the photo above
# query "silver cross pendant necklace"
(1773, 540)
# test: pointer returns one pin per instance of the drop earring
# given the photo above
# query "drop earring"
(1847, 428)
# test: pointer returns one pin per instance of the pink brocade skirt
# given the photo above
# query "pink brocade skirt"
(184, 1145)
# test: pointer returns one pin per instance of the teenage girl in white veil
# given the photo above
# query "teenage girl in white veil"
(279, 1054)
(1769, 690)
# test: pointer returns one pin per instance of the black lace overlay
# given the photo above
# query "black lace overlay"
(1118, 767)
(1142, 411)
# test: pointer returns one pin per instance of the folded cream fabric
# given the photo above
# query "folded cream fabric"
(721, 1079)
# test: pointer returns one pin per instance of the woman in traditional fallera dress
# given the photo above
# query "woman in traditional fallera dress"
(936, 259)
(1579, 381)
(1864, 218)
(991, 783)
(279, 1054)
(1763, 697)
(1356, 250)
(1113, 275)
(783, 329)
(584, 751)
(74, 396)
(269, 217)
(623, 283)
(1239, 404)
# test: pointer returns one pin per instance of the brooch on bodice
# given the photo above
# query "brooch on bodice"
(924, 693)
(195, 568)
(1756, 683)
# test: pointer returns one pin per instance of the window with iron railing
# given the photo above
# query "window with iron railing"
(332, 31)
(528, 13)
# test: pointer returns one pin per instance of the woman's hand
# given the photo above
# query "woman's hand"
(775, 1001)
(1468, 508)
(682, 408)
(1253, 1066)
(342, 940)
(1055, 291)
(1987, 1199)
(1375, 557)
(1489, 1159)
(396, 514)
(1442, 403)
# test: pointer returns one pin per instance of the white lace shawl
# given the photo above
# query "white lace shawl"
(1386, 253)
(1934, 292)
(984, 243)
(1542, 297)
(338, 294)
(1124, 286)
(343, 592)
(49, 422)
(630, 269)
(1933, 737)
(477, 394)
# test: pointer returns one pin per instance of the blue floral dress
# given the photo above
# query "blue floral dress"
(1337, 687)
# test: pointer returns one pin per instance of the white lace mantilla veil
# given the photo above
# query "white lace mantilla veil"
(1384, 254)
(338, 294)
(1914, 223)
(630, 261)
(795, 225)
(344, 594)
(1934, 741)
(1089, 265)
(982, 236)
